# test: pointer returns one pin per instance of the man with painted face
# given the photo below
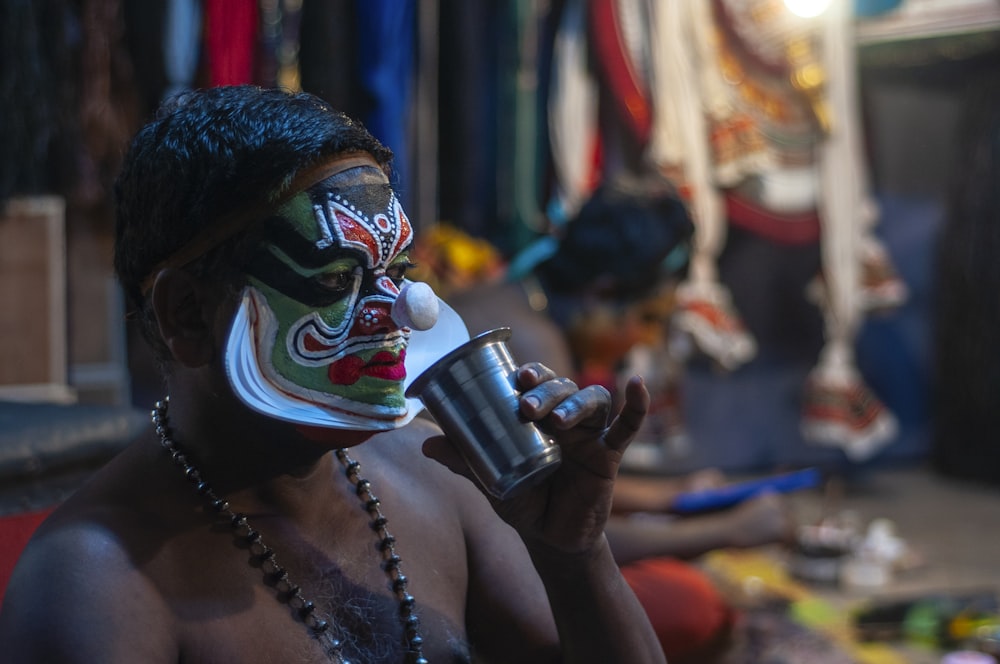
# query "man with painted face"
(282, 506)
(316, 323)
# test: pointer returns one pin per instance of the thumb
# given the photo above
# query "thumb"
(627, 423)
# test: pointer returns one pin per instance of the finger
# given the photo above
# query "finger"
(533, 374)
(626, 425)
(589, 408)
(541, 400)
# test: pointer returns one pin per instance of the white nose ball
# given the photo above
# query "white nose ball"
(416, 307)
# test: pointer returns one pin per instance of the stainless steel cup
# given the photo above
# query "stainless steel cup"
(471, 392)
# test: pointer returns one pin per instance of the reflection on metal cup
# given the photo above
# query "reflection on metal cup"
(471, 392)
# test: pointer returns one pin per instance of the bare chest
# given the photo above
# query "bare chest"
(366, 625)
(233, 604)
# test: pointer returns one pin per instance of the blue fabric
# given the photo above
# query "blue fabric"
(874, 7)
(387, 30)
(181, 44)
(530, 257)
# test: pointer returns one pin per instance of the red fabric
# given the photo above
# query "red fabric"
(801, 228)
(230, 40)
(15, 531)
(688, 613)
(625, 84)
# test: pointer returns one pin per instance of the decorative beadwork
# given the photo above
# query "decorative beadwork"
(319, 627)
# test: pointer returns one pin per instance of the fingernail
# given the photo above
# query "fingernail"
(559, 413)
(532, 401)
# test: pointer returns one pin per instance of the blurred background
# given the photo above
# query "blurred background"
(838, 159)
(503, 116)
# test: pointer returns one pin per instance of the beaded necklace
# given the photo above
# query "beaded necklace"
(288, 592)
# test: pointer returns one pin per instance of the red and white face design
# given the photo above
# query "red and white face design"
(322, 285)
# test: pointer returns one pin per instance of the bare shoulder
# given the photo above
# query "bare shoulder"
(86, 571)
(433, 486)
(405, 447)
(78, 595)
(503, 588)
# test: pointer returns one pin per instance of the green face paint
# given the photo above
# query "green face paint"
(323, 283)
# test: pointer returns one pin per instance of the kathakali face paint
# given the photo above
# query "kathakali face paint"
(323, 282)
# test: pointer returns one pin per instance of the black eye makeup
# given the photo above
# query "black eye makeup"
(339, 280)
(397, 269)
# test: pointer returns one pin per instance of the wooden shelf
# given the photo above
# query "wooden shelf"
(33, 348)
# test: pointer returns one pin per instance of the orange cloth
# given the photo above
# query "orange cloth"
(690, 616)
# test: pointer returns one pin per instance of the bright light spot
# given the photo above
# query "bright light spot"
(807, 8)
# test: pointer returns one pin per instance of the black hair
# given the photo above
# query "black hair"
(631, 234)
(211, 151)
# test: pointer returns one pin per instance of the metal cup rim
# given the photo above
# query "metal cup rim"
(491, 336)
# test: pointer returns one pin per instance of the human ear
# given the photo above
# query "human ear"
(180, 303)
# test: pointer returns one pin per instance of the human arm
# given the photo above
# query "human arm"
(75, 597)
(636, 493)
(561, 522)
(764, 519)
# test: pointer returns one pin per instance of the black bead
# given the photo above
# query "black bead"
(288, 592)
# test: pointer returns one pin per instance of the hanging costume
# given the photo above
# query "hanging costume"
(773, 148)
(730, 100)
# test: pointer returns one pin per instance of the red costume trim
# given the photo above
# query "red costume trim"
(802, 228)
(627, 88)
